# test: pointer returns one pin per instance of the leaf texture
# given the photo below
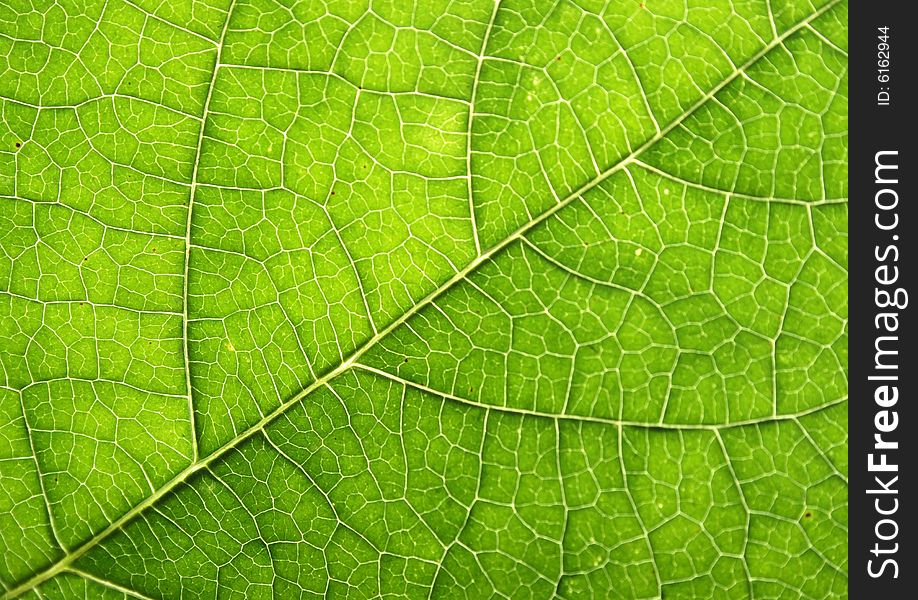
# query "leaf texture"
(443, 299)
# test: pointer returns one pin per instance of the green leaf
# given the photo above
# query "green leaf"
(307, 298)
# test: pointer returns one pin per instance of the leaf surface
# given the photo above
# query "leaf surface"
(449, 299)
